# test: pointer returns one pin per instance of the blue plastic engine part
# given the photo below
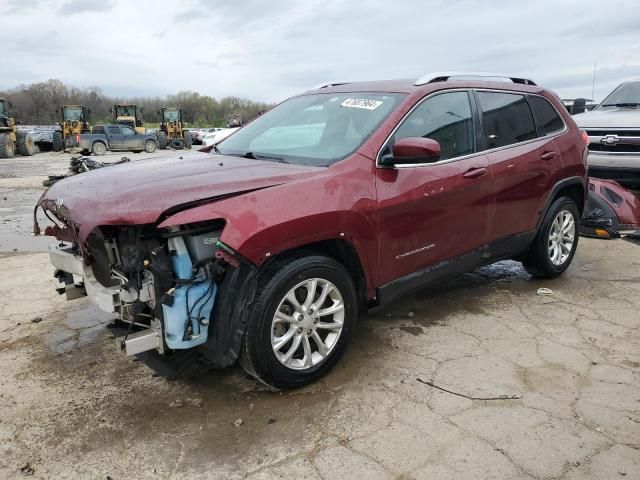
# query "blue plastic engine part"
(201, 299)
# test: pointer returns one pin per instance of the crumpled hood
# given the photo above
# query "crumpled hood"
(139, 192)
(609, 117)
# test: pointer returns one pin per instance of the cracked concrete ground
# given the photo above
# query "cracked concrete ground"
(563, 370)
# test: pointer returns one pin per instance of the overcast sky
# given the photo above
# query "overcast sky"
(270, 49)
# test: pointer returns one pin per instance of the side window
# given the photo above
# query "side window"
(128, 131)
(546, 116)
(445, 117)
(507, 118)
(114, 130)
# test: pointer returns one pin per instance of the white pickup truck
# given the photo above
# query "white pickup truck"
(614, 133)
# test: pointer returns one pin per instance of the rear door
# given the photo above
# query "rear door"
(524, 162)
(431, 213)
(116, 138)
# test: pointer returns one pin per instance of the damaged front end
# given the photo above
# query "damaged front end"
(162, 283)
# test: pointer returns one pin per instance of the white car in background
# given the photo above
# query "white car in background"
(216, 137)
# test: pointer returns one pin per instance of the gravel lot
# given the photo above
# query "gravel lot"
(479, 378)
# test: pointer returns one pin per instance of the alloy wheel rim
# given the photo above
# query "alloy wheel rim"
(307, 324)
(561, 237)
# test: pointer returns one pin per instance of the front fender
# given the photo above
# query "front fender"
(264, 223)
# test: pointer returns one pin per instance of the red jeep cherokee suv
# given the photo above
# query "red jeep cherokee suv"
(267, 248)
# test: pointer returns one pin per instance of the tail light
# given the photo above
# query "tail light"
(77, 138)
(585, 137)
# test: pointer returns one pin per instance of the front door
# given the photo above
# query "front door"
(132, 140)
(432, 213)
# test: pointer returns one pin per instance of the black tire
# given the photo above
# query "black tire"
(538, 262)
(7, 146)
(150, 146)
(99, 148)
(257, 356)
(177, 143)
(26, 145)
(162, 140)
(188, 141)
(58, 142)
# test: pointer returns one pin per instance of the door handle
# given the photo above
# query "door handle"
(475, 172)
(548, 155)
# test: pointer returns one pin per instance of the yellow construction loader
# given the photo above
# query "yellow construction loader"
(172, 131)
(10, 138)
(75, 121)
(129, 115)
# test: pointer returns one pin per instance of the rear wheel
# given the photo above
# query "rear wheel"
(7, 146)
(300, 323)
(26, 145)
(187, 139)
(58, 142)
(99, 148)
(162, 140)
(555, 244)
(150, 146)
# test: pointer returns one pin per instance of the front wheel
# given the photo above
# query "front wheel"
(150, 146)
(300, 323)
(556, 242)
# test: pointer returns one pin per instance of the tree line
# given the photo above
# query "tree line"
(36, 104)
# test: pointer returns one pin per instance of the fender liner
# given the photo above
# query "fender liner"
(230, 314)
(566, 182)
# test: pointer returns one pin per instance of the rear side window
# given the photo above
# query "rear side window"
(114, 130)
(446, 118)
(546, 115)
(507, 119)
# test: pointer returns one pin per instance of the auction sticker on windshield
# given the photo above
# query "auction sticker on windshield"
(361, 103)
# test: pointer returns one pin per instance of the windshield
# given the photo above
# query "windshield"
(72, 114)
(126, 111)
(627, 94)
(171, 115)
(317, 129)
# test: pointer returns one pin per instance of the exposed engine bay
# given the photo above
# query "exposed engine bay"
(161, 283)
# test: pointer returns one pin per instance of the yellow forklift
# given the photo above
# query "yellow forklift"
(75, 121)
(129, 115)
(172, 131)
(10, 138)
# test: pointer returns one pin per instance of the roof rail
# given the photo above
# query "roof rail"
(328, 84)
(444, 76)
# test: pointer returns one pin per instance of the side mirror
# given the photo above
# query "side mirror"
(412, 150)
(579, 106)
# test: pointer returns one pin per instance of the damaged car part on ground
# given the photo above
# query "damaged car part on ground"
(266, 249)
(611, 210)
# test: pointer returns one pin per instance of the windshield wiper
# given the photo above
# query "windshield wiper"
(623, 105)
(257, 156)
